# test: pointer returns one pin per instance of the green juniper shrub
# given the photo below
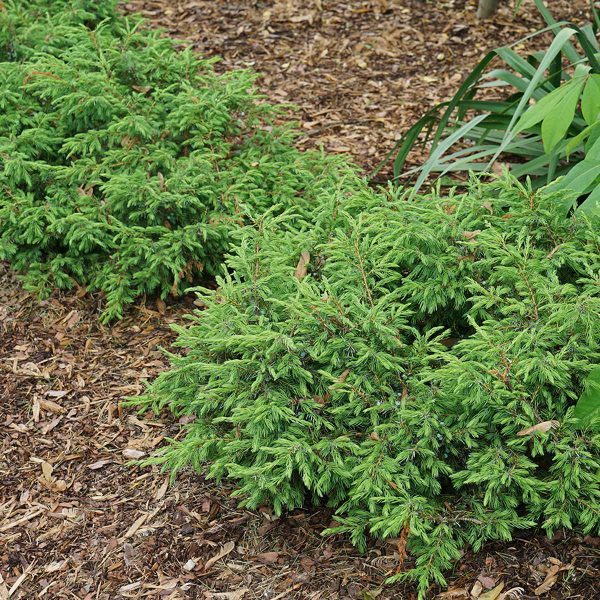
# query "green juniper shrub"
(125, 165)
(46, 25)
(410, 363)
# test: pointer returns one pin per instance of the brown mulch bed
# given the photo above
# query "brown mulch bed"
(76, 521)
(360, 71)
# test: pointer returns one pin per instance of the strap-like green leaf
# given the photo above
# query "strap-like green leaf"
(558, 121)
(588, 405)
(591, 205)
(590, 101)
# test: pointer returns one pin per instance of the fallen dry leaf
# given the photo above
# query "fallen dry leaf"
(551, 576)
(493, 594)
(344, 376)
(452, 594)
(476, 589)
(302, 266)
(130, 587)
(51, 406)
(162, 490)
(98, 465)
(225, 550)
(47, 469)
(544, 426)
(487, 581)
(269, 558)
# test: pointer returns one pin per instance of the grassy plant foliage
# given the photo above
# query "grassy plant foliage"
(413, 364)
(126, 164)
(544, 125)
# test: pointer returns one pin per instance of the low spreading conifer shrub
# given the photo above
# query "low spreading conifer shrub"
(413, 364)
(126, 164)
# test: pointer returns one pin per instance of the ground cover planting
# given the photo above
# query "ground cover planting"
(413, 364)
(372, 365)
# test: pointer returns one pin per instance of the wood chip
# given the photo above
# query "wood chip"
(136, 525)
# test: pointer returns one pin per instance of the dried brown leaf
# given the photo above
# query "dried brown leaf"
(453, 594)
(302, 266)
(47, 470)
(269, 558)
(225, 550)
(344, 376)
(552, 576)
(51, 406)
(476, 589)
(162, 490)
(544, 426)
(493, 594)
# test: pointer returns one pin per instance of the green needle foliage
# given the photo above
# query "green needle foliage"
(125, 165)
(413, 364)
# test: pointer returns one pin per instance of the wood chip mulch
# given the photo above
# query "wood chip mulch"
(78, 521)
(360, 71)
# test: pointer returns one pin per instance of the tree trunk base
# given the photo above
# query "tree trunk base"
(487, 8)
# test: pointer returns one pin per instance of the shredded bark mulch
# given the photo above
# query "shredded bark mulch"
(360, 71)
(76, 519)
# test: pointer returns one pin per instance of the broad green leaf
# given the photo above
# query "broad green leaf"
(540, 110)
(579, 178)
(592, 152)
(574, 142)
(590, 100)
(560, 41)
(556, 110)
(591, 141)
(591, 205)
(588, 405)
(558, 121)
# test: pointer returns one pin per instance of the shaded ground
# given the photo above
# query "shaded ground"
(75, 520)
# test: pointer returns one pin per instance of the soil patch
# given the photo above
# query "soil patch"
(360, 71)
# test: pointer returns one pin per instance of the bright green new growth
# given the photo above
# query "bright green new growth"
(125, 164)
(397, 381)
